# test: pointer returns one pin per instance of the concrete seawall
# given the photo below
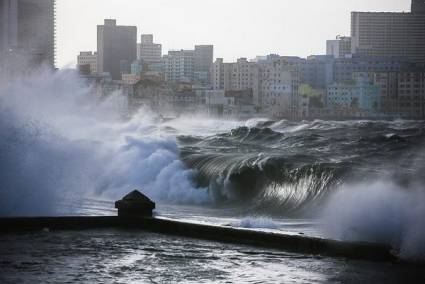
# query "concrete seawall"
(293, 243)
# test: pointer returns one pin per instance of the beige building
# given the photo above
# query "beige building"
(217, 74)
(390, 34)
(235, 76)
(278, 83)
(238, 75)
(88, 58)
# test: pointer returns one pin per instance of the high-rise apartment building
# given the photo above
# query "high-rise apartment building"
(179, 65)
(390, 34)
(238, 75)
(149, 52)
(221, 76)
(217, 74)
(27, 34)
(116, 45)
(339, 47)
(204, 57)
(88, 58)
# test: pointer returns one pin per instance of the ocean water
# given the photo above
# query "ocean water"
(66, 152)
(114, 256)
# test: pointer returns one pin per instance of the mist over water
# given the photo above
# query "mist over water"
(380, 212)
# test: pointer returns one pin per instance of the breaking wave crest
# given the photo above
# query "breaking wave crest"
(287, 167)
(363, 179)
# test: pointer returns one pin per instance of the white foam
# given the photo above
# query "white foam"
(256, 223)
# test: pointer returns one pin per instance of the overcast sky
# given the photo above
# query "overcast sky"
(236, 28)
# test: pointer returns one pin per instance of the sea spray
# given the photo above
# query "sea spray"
(380, 212)
(60, 142)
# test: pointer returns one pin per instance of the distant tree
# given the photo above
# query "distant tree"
(314, 95)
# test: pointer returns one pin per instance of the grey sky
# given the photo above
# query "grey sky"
(237, 28)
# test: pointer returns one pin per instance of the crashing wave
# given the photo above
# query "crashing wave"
(61, 145)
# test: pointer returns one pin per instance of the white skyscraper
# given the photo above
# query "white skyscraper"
(179, 66)
(149, 51)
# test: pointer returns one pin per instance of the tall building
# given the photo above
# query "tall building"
(150, 52)
(116, 48)
(204, 57)
(390, 34)
(402, 93)
(418, 6)
(339, 47)
(27, 33)
(88, 58)
(217, 74)
(179, 65)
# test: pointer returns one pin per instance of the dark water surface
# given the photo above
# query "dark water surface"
(286, 167)
(120, 256)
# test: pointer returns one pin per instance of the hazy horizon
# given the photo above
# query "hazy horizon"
(236, 29)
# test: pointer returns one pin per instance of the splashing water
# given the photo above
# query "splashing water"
(256, 223)
(380, 212)
(60, 143)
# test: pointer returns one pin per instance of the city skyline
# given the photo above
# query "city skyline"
(234, 34)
